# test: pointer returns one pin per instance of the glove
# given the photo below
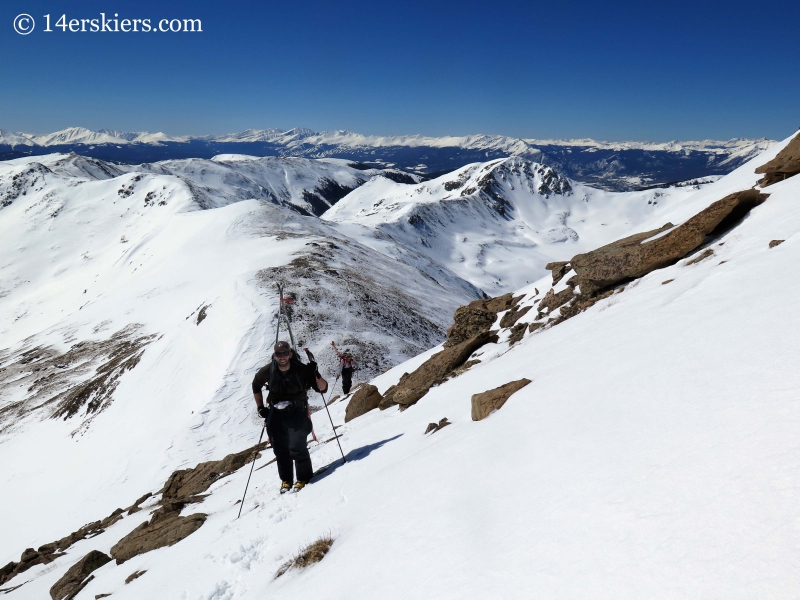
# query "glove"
(263, 412)
(314, 366)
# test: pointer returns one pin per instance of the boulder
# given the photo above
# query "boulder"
(162, 530)
(364, 400)
(476, 317)
(635, 256)
(413, 386)
(486, 403)
(75, 579)
(774, 243)
(786, 164)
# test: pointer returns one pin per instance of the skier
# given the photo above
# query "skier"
(288, 418)
(348, 364)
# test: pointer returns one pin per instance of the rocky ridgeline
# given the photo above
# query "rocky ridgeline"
(166, 526)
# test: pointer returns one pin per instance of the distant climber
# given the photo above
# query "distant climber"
(348, 365)
(287, 413)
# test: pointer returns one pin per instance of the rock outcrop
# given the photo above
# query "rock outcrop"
(30, 558)
(165, 528)
(470, 331)
(635, 256)
(78, 576)
(413, 386)
(364, 400)
(474, 318)
(786, 164)
(486, 403)
(186, 485)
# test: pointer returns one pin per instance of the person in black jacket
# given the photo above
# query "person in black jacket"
(287, 415)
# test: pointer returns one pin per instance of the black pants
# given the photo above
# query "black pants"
(288, 429)
(347, 379)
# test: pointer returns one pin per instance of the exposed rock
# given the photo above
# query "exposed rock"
(485, 403)
(774, 243)
(364, 400)
(75, 579)
(708, 252)
(162, 530)
(517, 333)
(413, 386)
(786, 164)
(476, 317)
(667, 281)
(98, 596)
(558, 270)
(134, 575)
(463, 368)
(534, 326)
(334, 399)
(136, 505)
(30, 558)
(87, 531)
(633, 256)
(552, 301)
(513, 315)
(185, 484)
(434, 427)
(112, 518)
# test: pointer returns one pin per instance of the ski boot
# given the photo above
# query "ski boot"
(299, 486)
(285, 486)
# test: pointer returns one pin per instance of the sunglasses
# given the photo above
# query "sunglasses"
(282, 354)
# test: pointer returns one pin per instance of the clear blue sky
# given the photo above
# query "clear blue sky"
(607, 70)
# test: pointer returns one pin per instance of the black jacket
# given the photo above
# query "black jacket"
(291, 385)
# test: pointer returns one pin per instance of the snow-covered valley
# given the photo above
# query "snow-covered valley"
(651, 454)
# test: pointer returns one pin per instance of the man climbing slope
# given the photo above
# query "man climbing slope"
(288, 420)
(347, 364)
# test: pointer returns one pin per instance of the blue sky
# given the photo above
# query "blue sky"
(613, 71)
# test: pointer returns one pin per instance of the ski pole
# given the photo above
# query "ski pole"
(331, 419)
(255, 453)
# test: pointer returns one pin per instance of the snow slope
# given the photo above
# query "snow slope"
(654, 455)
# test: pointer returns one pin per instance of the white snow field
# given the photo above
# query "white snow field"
(654, 455)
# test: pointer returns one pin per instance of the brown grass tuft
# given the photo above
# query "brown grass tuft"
(313, 553)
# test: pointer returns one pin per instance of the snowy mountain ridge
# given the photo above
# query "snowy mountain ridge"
(616, 166)
(650, 453)
(303, 136)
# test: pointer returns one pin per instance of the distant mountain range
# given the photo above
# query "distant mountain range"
(619, 166)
